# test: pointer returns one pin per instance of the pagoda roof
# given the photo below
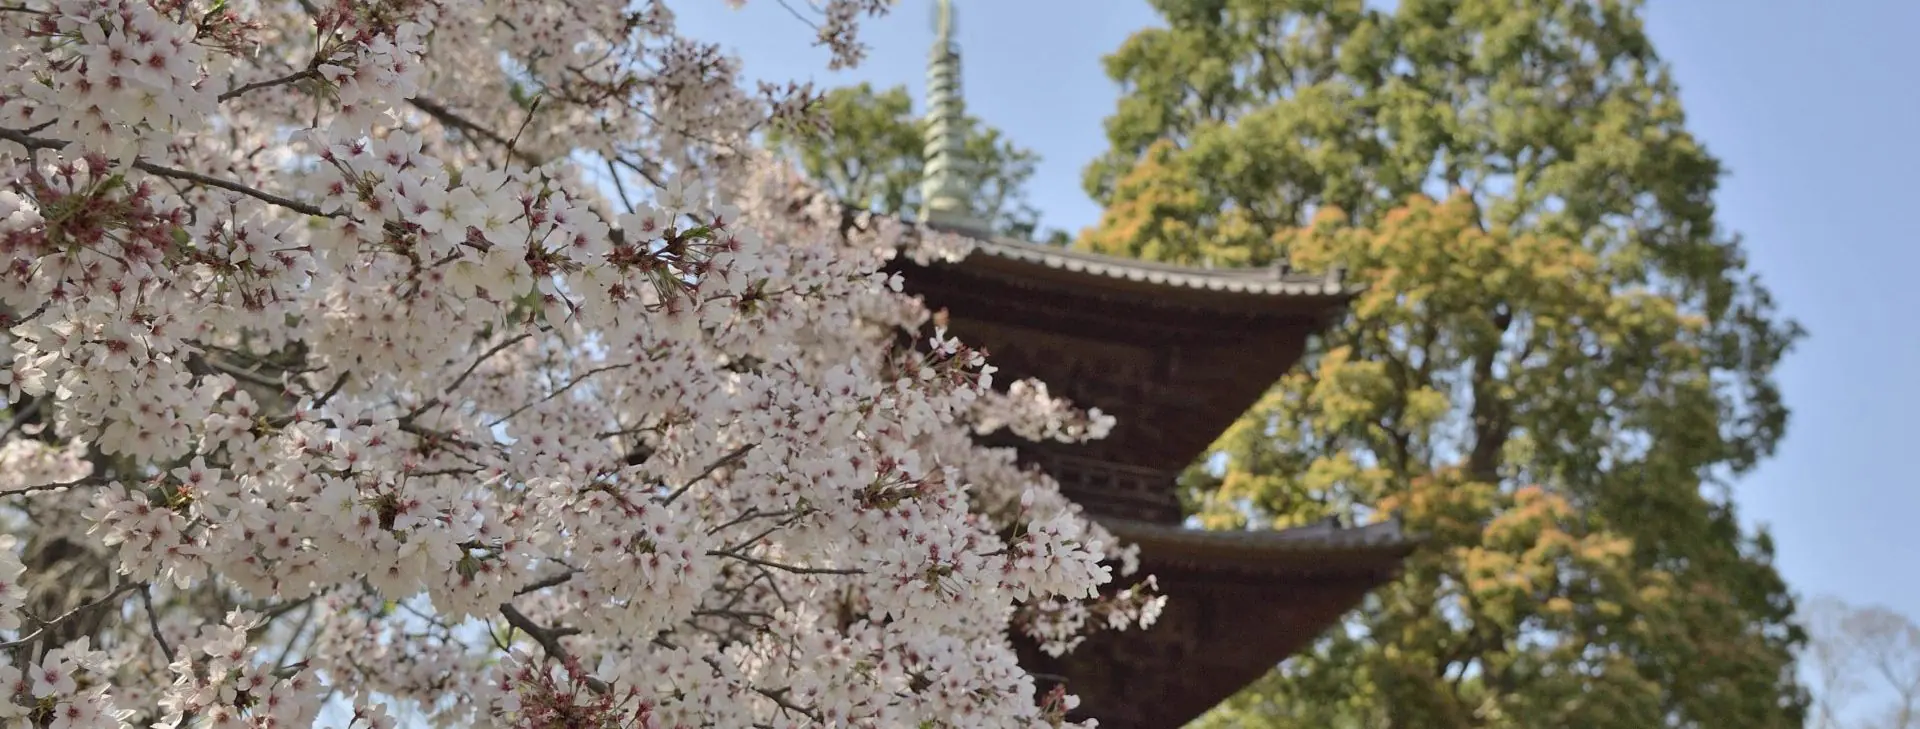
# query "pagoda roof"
(1266, 282)
(1333, 548)
(1237, 604)
(1243, 294)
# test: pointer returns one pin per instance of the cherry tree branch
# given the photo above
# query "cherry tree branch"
(195, 177)
(549, 640)
(32, 143)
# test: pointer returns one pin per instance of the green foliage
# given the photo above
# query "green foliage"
(874, 149)
(1558, 363)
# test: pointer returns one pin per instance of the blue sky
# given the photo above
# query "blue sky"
(1814, 107)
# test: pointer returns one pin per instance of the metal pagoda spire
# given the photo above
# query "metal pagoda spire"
(945, 199)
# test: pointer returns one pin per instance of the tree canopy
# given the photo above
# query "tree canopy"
(1558, 365)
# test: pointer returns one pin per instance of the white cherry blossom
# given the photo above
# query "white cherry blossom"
(463, 354)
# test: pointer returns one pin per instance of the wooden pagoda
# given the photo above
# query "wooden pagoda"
(1175, 354)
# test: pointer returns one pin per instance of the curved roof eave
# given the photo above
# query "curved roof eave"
(1315, 537)
(1270, 281)
(1368, 552)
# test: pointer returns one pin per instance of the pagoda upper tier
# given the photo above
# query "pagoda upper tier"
(1174, 353)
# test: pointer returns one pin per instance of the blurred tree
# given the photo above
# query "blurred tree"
(1857, 651)
(1558, 364)
(873, 151)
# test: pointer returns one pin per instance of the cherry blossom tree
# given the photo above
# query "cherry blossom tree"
(460, 353)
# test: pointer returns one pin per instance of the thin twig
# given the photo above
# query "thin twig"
(652, 178)
(545, 583)
(338, 383)
(287, 79)
(795, 12)
(755, 539)
(618, 186)
(746, 516)
(785, 567)
(450, 118)
(462, 379)
(242, 373)
(299, 629)
(20, 418)
(153, 622)
(70, 614)
(556, 393)
(76, 483)
(515, 141)
(270, 613)
(726, 460)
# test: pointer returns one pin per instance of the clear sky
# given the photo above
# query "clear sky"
(1813, 106)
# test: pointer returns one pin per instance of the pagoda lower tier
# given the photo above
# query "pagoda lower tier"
(1238, 603)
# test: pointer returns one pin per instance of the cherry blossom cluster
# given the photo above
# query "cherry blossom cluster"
(1027, 409)
(461, 355)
